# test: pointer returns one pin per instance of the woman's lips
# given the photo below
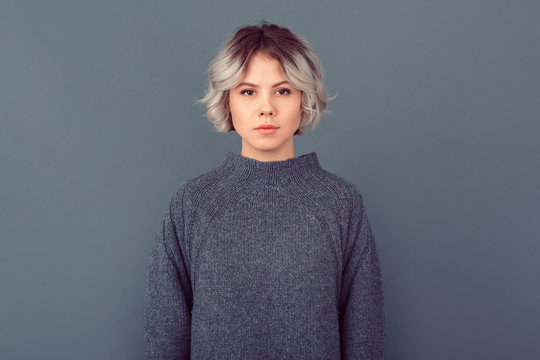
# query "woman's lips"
(266, 129)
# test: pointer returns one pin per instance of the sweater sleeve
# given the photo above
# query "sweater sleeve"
(362, 315)
(168, 297)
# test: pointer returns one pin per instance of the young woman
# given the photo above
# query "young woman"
(267, 256)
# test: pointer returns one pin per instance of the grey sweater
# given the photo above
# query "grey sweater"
(265, 260)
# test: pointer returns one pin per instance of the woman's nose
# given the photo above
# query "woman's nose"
(266, 112)
(267, 108)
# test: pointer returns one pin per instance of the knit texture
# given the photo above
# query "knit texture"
(265, 260)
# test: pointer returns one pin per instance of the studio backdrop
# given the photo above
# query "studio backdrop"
(435, 120)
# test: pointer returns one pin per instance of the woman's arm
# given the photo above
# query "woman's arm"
(362, 314)
(168, 298)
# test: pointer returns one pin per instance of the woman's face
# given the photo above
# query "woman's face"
(265, 98)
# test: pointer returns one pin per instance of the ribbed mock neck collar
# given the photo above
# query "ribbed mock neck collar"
(271, 172)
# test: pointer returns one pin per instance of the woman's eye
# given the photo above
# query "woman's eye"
(283, 91)
(247, 92)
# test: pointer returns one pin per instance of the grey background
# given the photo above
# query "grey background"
(436, 121)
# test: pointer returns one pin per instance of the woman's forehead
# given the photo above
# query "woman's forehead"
(263, 69)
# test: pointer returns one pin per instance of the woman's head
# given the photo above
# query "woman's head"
(297, 59)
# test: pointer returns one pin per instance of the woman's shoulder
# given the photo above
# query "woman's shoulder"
(344, 190)
(195, 188)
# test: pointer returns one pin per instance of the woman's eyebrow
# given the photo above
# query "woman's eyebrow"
(256, 86)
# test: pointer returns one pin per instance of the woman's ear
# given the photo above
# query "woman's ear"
(230, 122)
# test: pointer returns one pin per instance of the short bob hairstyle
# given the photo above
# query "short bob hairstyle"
(298, 60)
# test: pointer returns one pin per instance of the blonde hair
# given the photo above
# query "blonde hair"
(298, 60)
